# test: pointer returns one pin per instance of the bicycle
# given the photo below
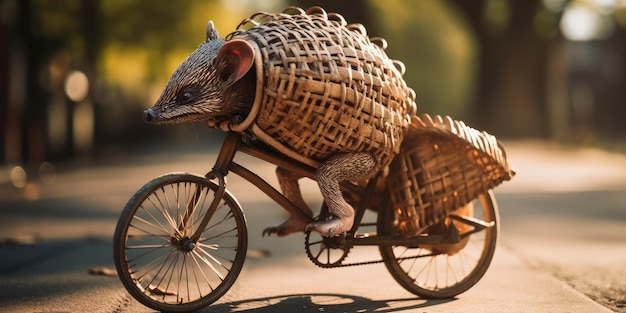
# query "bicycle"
(181, 240)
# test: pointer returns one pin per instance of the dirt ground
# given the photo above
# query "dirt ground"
(606, 288)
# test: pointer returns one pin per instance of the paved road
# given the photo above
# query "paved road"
(562, 242)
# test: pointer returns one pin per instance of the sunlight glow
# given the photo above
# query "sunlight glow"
(582, 23)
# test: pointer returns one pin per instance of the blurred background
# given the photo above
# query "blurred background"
(76, 74)
(546, 76)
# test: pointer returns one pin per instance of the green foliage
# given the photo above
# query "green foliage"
(140, 42)
(436, 48)
(145, 24)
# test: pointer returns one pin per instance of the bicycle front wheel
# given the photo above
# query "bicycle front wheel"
(156, 260)
(443, 271)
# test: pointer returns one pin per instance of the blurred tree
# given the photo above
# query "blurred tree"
(510, 96)
(44, 40)
(534, 81)
(32, 49)
(4, 83)
(436, 48)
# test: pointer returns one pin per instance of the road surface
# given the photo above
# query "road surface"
(562, 247)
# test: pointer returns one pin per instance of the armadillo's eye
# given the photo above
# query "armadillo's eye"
(185, 95)
(188, 93)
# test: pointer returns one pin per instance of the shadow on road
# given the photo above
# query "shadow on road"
(323, 302)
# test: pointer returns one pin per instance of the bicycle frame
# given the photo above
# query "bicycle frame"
(224, 164)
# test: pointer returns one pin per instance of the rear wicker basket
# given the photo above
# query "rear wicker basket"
(323, 87)
(443, 165)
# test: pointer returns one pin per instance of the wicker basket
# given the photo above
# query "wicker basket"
(323, 87)
(443, 165)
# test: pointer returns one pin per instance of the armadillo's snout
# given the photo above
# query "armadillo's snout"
(149, 116)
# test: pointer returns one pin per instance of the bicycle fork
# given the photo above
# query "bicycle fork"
(219, 171)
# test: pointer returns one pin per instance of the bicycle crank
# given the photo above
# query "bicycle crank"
(326, 252)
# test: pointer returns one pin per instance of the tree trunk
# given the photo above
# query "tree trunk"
(4, 90)
(510, 98)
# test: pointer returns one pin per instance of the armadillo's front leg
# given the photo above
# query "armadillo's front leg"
(290, 188)
(343, 167)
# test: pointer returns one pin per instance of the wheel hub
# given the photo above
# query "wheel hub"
(183, 244)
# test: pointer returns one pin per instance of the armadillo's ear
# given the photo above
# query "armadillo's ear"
(211, 31)
(234, 60)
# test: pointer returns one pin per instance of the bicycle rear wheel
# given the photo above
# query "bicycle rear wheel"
(432, 273)
(156, 260)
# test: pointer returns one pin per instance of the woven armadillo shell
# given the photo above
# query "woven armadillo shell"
(443, 165)
(324, 88)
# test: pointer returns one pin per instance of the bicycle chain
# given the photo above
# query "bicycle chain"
(376, 262)
(346, 250)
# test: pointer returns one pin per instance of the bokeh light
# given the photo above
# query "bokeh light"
(77, 86)
(32, 192)
(47, 173)
(582, 22)
(18, 177)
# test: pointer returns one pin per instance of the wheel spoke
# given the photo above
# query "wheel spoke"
(150, 265)
(150, 224)
(195, 275)
(228, 216)
(163, 210)
(192, 203)
(444, 270)
(170, 271)
(157, 273)
(147, 246)
(208, 282)
(220, 235)
(208, 263)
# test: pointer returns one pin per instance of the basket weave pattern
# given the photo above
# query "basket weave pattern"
(327, 88)
(442, 166)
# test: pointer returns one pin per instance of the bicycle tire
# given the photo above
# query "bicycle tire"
(149, 242)
(430, 275)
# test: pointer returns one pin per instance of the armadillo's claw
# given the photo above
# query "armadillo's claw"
(332, 227)
(314, 227)
(290, 226)
(269, 231)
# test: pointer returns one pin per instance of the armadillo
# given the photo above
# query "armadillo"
(306, 83)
